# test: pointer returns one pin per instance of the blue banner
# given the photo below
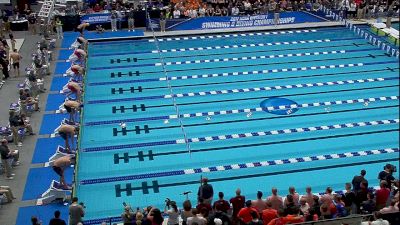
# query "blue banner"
(202, 23)
(98, 18)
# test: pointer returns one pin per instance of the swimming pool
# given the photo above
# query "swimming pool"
(249, 110)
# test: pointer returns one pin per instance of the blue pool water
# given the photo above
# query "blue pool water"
(336, 98)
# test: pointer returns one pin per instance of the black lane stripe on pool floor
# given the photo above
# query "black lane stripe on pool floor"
(148, 128)
(142, 107)
(259, 64)
(151, 154)
(362, 43)
(259, 74)
(253, 81)
(156, 186)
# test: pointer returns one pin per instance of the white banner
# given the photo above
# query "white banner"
(4, 1)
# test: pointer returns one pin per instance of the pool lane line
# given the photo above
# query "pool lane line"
(254, 72)
(239, 166)
(187, 62)
(259, 57)
(125, 156)
(263, 97)
(203, 61)
(220, 47)
(242, 52)
(138, 73)
(247, 110)
(242, 135)
(244, 90)
(202, 37)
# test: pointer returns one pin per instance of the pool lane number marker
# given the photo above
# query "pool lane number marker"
(243, 135)
(236, 111)
(230, 35)
(237, 166)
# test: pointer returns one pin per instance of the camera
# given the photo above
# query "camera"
(168, 202)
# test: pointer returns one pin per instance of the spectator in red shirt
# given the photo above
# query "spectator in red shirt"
(224, 205)
(244, 214)
(237, 204)
(202, 204)
(382, 195)
(269, 213)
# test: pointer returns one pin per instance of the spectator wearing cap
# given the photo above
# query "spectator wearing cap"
(224, 205)
(237, 204)
(206, 191)
(244, 214)
(8, 158)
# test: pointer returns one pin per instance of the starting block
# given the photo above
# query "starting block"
(54, 192)
(60, 152)
(65, 121)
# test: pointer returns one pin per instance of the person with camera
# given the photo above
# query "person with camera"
(155, 216)
(387, 174)
(172, 211)
(128, 216)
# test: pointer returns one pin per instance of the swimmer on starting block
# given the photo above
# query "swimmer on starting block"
(75, 88)
(81, 27)
(67, 132)
(60, 164)
(82, 41)
(72, 107)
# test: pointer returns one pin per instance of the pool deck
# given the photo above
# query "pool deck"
(8, 212)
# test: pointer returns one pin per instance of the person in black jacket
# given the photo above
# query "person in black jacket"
(56, 220)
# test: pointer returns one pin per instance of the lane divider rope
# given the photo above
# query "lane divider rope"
(254, 72)
(231, 35)
(242, 135)
(241, 166)
(241, 46)
(255, 57)
(247, 110)
(244, 90)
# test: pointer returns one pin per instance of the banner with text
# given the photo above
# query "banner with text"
(236, 21)
(98, 18)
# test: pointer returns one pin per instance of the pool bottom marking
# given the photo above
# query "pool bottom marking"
(140, 155)
(112, 61)
(120, 74)
(243, 135)
(125, 131)
(279, 106)
(229, 167)
(123, 109)
(129, 90)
